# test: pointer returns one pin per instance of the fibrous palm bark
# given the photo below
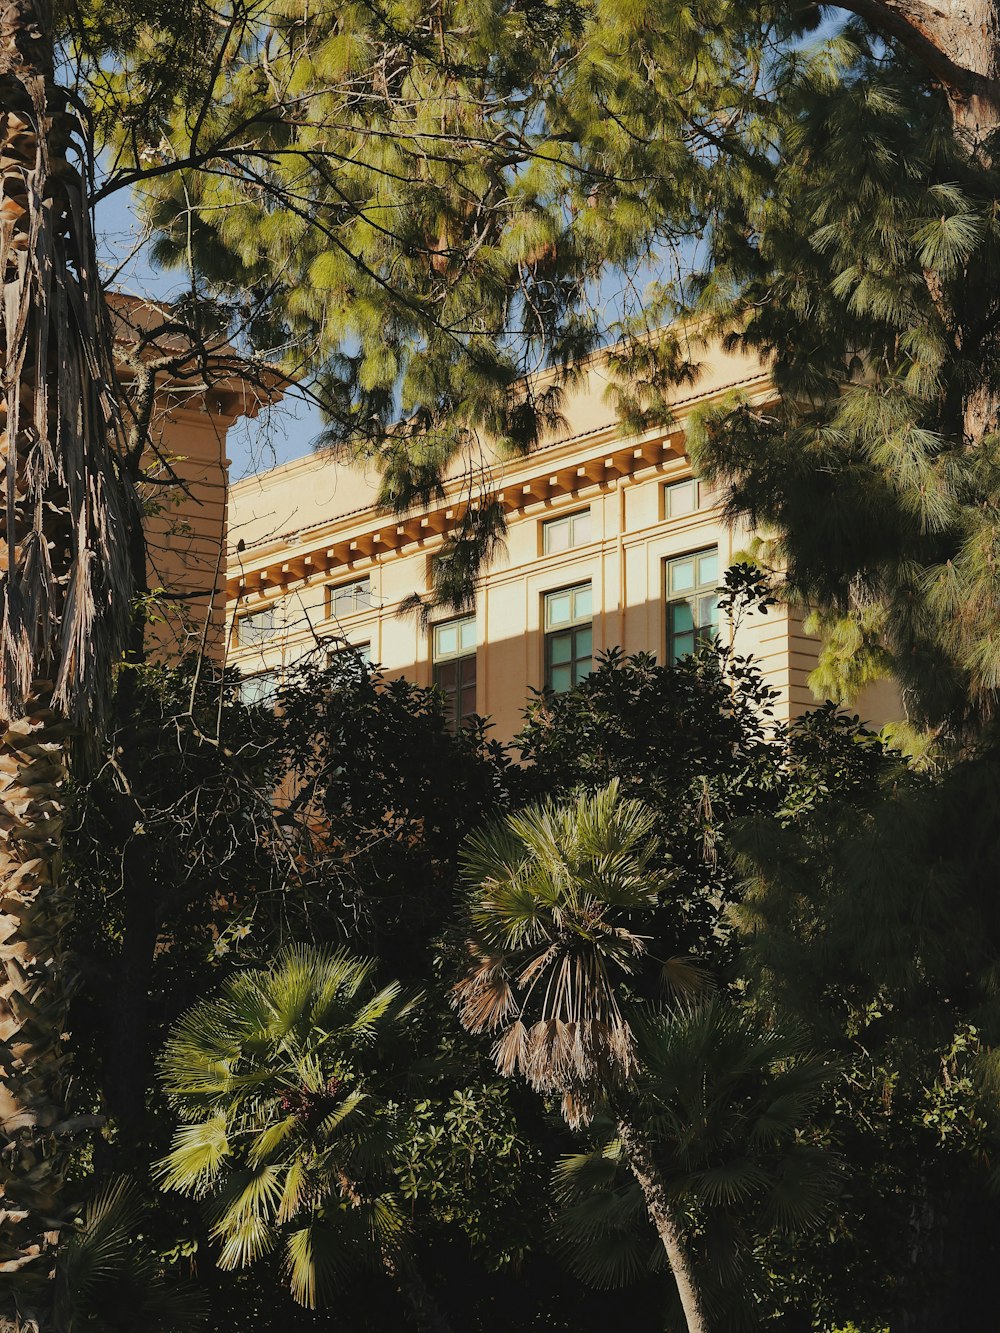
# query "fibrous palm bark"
(64, 611)
(642, 1164)
(555, 896)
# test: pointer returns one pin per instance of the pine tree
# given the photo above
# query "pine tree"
(369, 193)
(840, 192)
(417, 205)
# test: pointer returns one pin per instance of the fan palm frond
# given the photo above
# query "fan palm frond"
(552, 897)
(282, 1129)
(109, 1279)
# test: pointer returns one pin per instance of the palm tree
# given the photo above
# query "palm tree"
(65, 607)
(283, 1130)
(556, 894)
(110, 1280)
(726, 1096)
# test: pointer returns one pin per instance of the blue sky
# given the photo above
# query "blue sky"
(284, 432)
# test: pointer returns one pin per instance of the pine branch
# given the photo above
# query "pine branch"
(919, 29)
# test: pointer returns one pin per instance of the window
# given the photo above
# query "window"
(350, 652)
(260, 691)
(692, 602)
(686, 497)
(257, 627)
(569, 642)
(348, 663)
(454, 654)
(562, 534)
(344, 599)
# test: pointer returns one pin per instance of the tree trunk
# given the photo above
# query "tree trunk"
(406, 1278)
(65, 610)
(958, 43)
(969, 32)
(642, 1164)
(33, 1002)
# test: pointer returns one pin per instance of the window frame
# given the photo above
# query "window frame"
(262, 636)
(461, 660)
(549, 525)
(571, 630)
(704, 498)
(697, 594)
(343, 648)
(333, 589)
(269, 697)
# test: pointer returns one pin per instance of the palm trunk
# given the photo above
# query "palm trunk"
(642, 1164)
(406, 1278)
(64, 612)
(32, 1002)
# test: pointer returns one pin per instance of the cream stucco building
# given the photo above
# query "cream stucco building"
(610, 542)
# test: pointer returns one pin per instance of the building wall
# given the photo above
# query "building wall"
(199, 394)
(186, 531)
(307, 527)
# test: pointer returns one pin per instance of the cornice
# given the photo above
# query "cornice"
(556, 469)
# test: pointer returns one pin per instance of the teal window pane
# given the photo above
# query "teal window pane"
(568, 651)
(681, 618)
(692, 619)
(259, 691)
(445, 640)
(681, 575)
(560, 648)
(446, 676)
(457, 682)
(350, 597)
(455, 638)
(708, 613)
(680, 630)
(561, 534)
(257, 628)
(558, 608)
(557, 536)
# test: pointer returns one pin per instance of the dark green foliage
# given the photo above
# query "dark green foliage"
(414, 205)
(415, 210)
(728, 1100)
(870, 915)
(861, 264)
(286, 1127)
(562, 916)
(109, 1278)
(694, 741)
(363, 847)
(866, 923)
(360, 189)
(174, 839)
(377, 797)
